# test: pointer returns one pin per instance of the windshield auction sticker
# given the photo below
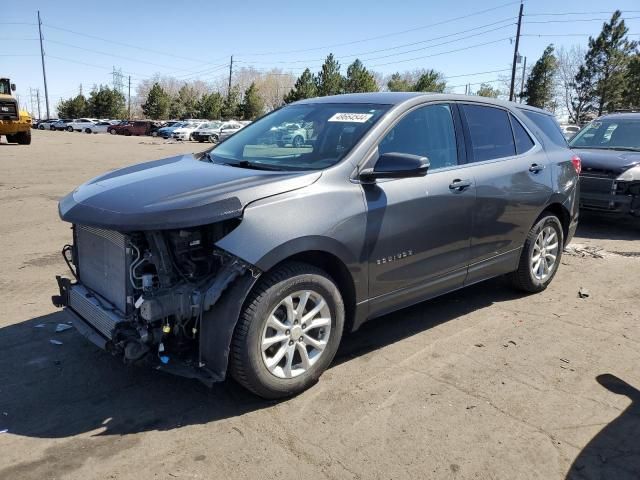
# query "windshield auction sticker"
(350, 117)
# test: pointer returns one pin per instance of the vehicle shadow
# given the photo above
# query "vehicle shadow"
(50, 390)
(600, 226)
(615, 451)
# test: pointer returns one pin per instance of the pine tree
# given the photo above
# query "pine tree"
(157, 105)
(631, 95)
(231, 107)
(359, 79)
(539, 89)
(105, 102)
(210, 106)
(430, 81)
(329, 80)
(487, 90)
(606, 63)
(305, 87)
(253, 104)
(399, 83)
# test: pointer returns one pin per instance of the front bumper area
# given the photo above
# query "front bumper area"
(606, 195)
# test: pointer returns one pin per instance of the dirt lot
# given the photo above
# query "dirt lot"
(483, 383)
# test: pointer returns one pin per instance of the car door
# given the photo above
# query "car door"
(418, 229)
(513, 185)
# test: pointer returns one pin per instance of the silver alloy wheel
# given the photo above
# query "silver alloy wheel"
(296, 334)
(545, 253)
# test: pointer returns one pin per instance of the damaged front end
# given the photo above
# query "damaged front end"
(148, 296)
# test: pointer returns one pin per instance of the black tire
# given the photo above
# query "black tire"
(213, 138)
(69, 129)
(127, 133)
(523, 278)
(24, 138)
(112, 131)
(40, 127)
(12, 138)
(246, 364)
(87, 130)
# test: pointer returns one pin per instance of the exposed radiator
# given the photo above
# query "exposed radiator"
(103, 263)
(93, 311)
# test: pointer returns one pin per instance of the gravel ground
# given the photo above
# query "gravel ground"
(483, 383)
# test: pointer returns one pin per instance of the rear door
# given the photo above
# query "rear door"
(418, 229)
(513, 184)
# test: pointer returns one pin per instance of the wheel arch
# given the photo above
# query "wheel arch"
(559, 210)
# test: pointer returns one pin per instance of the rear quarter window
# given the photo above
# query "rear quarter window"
(490, 132)
(549, 126)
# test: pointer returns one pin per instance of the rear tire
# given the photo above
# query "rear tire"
(287, 285)
(40, 127)
(540, 255)
(87, 130)
(11, 138)
(24, 138)
(69, 129)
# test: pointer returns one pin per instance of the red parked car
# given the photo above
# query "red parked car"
(138, 127)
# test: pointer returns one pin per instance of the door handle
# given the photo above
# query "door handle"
(535, 168)
(459, 185)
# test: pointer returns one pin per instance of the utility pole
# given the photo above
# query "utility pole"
(38, 100)
(129, 98)
(44, 72)
(33, 110)
(515, 55)
(466, 89)
(230, 74)
(524, 71)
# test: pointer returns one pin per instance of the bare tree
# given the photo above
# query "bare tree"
(273, 86)
(569, 62)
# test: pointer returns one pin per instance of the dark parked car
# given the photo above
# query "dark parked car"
(252, 259)
(610, 151)
(138, 127)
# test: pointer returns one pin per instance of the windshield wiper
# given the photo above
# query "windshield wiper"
(252, 165)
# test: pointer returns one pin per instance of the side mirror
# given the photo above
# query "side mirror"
(13, 87)
(396, 165)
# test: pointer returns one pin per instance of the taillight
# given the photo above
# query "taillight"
(577, 163)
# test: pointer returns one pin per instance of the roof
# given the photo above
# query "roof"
(397, 98)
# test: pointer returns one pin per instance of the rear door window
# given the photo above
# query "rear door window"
(490, 132)
(428, 132)
(520, 135)
(549, 126)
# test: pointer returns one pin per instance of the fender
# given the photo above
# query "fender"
(307, 244)
(219, 323)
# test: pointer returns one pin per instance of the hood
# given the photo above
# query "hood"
(612, 162)
(176, 192)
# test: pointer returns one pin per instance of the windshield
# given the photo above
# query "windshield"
(613, 133)
(299, 137)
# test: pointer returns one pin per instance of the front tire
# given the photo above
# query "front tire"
(540, 255)
(69, 129)
(288, 332)
(87, 130)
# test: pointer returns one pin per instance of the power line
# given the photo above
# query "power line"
(575, 13)
(577, 20)
(359, 54)
(335, 45)
(116, 42)
(567, 34)
(441, 53)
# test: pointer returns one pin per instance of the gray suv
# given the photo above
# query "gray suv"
(253, 258)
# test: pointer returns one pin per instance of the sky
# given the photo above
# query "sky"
(468, 41)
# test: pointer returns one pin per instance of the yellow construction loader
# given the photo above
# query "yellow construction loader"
(14, 123)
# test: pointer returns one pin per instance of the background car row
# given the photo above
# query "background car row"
(190, 129)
